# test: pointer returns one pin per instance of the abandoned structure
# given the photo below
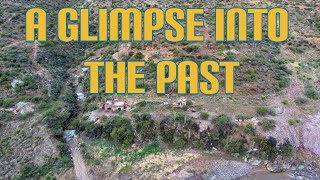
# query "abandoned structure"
(112, 105)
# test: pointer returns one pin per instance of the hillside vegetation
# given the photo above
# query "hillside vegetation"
(273, 114)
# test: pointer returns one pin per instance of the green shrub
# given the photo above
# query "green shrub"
(6, 103)
(89, 128)
(27, 170)
(145, 126)
(75, 124)
(180, 143)
(92, 106)
(282, 79)
(4, 116)
(263, 111)
(296, 49)
(285, 102)
(122, 135)
(155, 56)
(300, 101)
(234, 146)
(166, 129)
(230, 55)
(142, 104)
(268, 147)
(267, 124)
(189, 102)
(120, 130)
(251, 75)
(286, 149)
(204, 115)
(139, 55)
(56, 120)
(199, 144)
(312, 93)
(223, 125)
(293, 122)
(180, 117)
(243, 117)
(167, 135)
(249, 129)
(191, 48)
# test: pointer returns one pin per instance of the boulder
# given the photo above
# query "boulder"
(23, 108)
(16, 82)
(256, 162)
(275, 167)
(80, 96)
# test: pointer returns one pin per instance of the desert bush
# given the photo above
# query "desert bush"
(166, 129)
(293, 122)
(180, 143)
(145, 126)
(6, 103)
(5, 116)
(122, 135)
(251, 75)
(263, 111)
(139, 55)
(150, 69)
(189, 102)
(296, 49)
(204, 115)
(57, 121)
(223, 125)
(267, 147)
(285, 102)
(312, 93)
(191, 48)
(249, 129)
(120, 130)
(199, 144)
(180, 116)
(89, 128)
(155, 56)
(234, 146)
(142, 104)
(135, 116)
(286, 149)
(300, 101)
(27, 170)
(267, 124)
(243, 117)
(230, 55)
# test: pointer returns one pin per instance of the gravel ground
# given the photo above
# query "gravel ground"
(225, 170)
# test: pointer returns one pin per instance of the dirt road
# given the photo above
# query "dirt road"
(78, 161)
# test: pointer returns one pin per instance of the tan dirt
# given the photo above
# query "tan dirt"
(78, 161)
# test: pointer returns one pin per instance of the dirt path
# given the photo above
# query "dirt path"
(40, 70)
(78, 161)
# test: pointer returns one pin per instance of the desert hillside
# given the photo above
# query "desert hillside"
(269, 124)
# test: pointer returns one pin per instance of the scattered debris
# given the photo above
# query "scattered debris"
(68, 135)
